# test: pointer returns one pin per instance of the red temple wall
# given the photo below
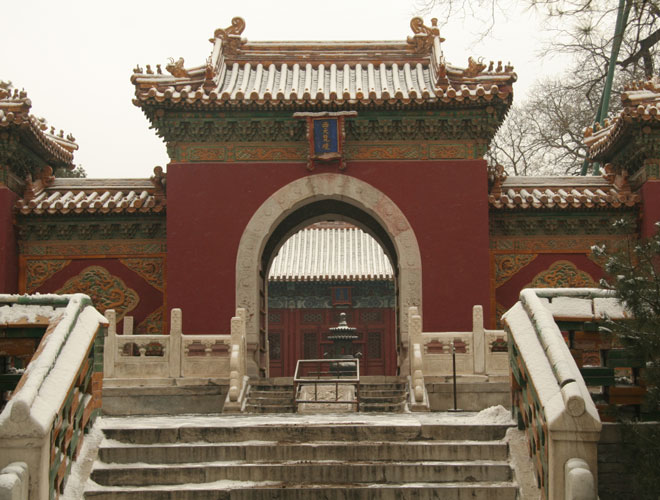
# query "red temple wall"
(8, 245)
(118, 289)
(209, 206)
(650, 207)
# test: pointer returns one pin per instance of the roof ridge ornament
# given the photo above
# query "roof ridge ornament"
(176, 69)
(496, 177)
(231, 36)
(422, 40)
(474, 67)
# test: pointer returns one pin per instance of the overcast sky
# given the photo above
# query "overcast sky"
(75, 57)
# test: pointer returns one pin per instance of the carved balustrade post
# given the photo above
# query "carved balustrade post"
(110, 345)
(478, 340)
(176, 331)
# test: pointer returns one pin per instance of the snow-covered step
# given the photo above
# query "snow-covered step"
(269, 396)
(236, 490)
(322, 471)
(121, 453)
(333, 456)
(279, 430)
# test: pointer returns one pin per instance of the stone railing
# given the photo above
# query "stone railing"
(237, 363)
(58, 396)
(175, 355)
(419, 400)
(549, 394)
(479, 352)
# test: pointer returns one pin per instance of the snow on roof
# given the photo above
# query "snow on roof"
(561, 192)
(323, 254)
(15, 113)
(75, 196)
(641, 104)
(242, 72)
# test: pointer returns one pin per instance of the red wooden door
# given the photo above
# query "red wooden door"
(303, 334)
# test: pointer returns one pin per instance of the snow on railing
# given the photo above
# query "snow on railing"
(166, 356)
(59, 395)
(549, 393)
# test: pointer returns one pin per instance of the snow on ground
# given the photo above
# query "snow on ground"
(223, 484)
(493, 415)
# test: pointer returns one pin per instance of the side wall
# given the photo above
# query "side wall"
(650, 207)
(209, 206)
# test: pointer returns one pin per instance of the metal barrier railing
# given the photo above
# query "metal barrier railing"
(327, 372)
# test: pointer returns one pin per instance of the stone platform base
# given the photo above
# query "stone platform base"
(122, 397)
(473, 393)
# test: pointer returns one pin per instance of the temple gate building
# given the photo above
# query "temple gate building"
(308, 181)
(266, 138)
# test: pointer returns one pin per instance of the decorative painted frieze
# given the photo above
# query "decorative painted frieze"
(506, 265)
(534, 244)
(153, 324)
(563, 274)
(105, 290)
(37, 272)
(78, 229)
(85, 248)
(444, 135)
(149, 268)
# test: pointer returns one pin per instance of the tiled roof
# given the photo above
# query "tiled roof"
(96, 196)
(330, 254)
(560, 193)
(15, 112)
(342, 73)
(641, 104)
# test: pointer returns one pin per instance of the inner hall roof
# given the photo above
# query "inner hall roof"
(331, 254)
(240, 73)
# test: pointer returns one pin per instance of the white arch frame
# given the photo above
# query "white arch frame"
(327, 186)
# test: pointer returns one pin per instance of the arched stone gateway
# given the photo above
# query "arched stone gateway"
(306, 200)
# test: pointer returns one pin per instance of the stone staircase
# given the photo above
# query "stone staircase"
(377, 394)
(384, 394)
(330, 456)
(270, 396)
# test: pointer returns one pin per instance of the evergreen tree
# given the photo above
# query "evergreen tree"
(77, 172)
(634, 275)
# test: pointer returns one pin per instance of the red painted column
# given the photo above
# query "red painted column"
(8, 242)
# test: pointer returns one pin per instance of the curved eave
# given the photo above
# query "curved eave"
(54, 150)
(210, 104)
